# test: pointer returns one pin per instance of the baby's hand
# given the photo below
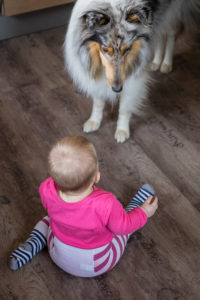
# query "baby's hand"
(150, 206)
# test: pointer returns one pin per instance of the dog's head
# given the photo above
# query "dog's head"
(114, 38)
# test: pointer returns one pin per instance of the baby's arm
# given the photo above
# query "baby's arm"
(122, 222)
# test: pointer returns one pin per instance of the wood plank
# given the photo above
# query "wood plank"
(35, 21)
(39, 105)
(15, 7)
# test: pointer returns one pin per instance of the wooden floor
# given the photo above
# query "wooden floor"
(39, 105)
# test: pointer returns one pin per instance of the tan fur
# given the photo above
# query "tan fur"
(109, 69)
(95, 64)
(122, 48)
(110, 50)
(123, 73)
(131, 58)
(102, 21)
(133, 18)
(98, 59)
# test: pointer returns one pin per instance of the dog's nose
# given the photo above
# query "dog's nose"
(117, 89)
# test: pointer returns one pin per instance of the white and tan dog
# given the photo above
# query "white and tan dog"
(109, 45)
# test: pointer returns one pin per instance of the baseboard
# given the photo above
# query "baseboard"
(36, 21)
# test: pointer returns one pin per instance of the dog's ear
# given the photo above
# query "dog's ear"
(137, 15)
(93, 24)
(147, 13)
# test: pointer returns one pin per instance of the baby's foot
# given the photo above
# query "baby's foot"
(147, 187)
(19, 256)
(26, 251)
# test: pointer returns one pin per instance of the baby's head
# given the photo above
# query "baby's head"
(73, 163)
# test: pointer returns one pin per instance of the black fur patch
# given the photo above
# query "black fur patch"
(154, 4)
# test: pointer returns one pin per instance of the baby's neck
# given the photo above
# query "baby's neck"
(72, 197)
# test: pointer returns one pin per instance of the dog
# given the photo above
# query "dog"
(110, 44)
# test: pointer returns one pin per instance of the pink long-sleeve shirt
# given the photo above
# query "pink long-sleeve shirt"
(91, 222)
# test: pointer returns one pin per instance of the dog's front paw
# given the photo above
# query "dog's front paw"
(90, 126)
(121, 135)
(154, 66)
(165, 68)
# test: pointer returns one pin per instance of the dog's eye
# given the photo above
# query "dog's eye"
(105, 49)
(108, 50)
(124, 49)
(133, 18)
(103, 21)
(93, 20)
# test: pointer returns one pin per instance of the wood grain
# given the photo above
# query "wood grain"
(39, 105)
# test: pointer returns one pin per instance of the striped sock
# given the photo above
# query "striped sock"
(35, 243)
(144, 192)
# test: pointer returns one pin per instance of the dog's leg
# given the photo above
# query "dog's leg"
(158, 55)
(122, 132)
(166, 66)
(94, 121)
(126, 107)
(131, 99)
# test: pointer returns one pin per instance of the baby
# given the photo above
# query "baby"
(87, 228)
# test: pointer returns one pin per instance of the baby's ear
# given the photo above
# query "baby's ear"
(97, 177)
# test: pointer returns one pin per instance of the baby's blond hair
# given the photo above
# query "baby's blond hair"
(73, 163)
